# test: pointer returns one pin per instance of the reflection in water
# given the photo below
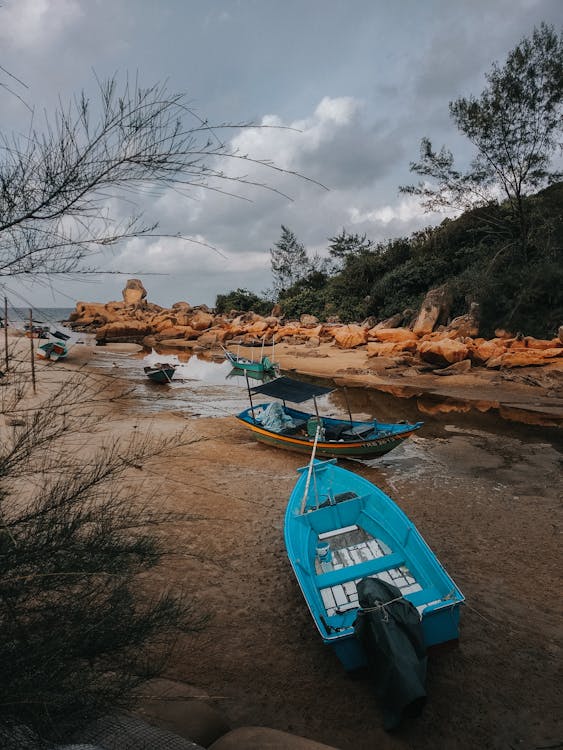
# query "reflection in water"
(199, 387)
(214, 373)
(202, 387)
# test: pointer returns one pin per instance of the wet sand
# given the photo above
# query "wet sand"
(485, 494)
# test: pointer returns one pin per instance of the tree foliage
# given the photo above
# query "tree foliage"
(382, 279)
(515, 127)
(288, 260)
(344, 245)
(243, 301)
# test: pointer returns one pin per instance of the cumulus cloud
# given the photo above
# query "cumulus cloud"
(336, 144)
(405, 210)
(28, 23)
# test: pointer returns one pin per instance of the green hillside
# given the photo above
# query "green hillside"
(519, 286)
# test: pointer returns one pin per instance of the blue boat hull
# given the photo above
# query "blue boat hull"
(340, 528)
(438, 629)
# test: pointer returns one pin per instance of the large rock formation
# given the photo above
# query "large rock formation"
(466, 325)
(134, 292)
(435, 310)
(184, 326)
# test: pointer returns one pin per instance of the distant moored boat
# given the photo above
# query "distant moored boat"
(160, 372)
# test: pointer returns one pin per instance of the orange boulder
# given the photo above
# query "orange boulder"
(350, 336)
(443, 351)
(392, 334)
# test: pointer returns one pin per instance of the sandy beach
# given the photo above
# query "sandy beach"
(483, 490)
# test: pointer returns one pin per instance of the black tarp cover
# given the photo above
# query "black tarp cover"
(392, 639)
(60, 335)
(288, 389)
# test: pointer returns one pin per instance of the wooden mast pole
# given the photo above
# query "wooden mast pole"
(250, 396)
(307, 483)
(32, 350)
(348, 406)
(6, 356)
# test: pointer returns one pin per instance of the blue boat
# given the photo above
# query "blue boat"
(339, 529)
(261, 366)
(283, 426)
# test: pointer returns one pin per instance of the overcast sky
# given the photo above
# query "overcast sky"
(358, 82)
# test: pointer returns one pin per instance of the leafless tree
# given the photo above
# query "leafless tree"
(60, 184)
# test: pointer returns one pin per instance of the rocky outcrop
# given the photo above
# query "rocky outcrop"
(465, 325)
(350, 336)
(390, 348)
(443, 351)
(525, 358)
(134, 293)
(435, 310)
(392, 334)
(428, 344)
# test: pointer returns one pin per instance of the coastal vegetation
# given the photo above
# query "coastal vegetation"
(504, 249)
(515, 290)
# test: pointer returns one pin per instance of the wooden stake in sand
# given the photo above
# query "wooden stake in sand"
(6, 357)
(32, 350)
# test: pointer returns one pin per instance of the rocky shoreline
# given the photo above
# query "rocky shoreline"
(444, 364)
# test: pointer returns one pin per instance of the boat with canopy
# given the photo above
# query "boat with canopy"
(283, 426)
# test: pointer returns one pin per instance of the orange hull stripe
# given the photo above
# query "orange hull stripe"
(321, 444)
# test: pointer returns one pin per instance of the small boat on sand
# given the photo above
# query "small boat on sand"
(283, 426)
(160, 372)
(54, 349)
(341, 531)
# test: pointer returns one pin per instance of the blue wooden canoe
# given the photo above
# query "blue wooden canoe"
(341, 528)
(286, 427)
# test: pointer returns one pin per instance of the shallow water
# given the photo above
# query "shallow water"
(204, 387)
(200, 387)
(483, 493)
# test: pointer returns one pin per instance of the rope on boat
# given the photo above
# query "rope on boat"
(380, 605)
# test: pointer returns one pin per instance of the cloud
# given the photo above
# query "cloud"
(346, 106)
(336, 144)
(405, 210)
(28, 23)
